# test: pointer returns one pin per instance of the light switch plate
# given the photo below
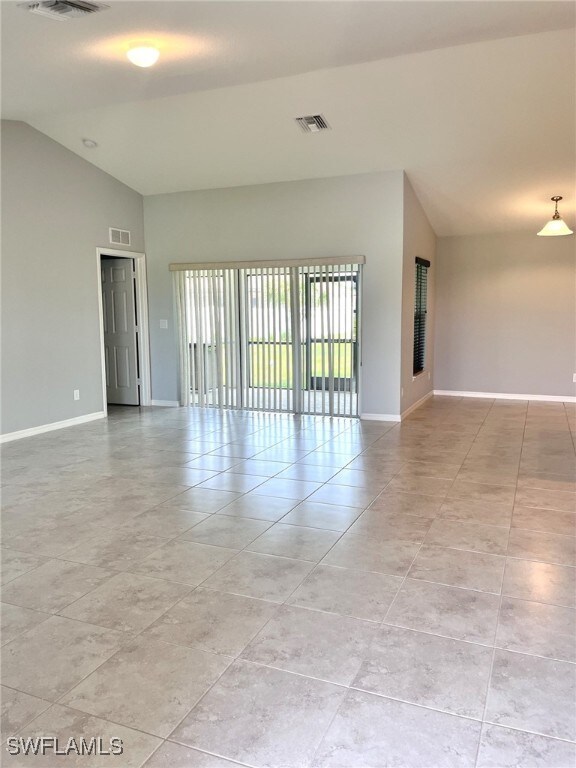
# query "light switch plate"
(163, 323)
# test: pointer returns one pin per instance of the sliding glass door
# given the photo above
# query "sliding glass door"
(274, 338)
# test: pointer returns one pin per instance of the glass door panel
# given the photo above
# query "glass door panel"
(331, 332)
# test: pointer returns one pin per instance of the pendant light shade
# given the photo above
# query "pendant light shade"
(556, 226)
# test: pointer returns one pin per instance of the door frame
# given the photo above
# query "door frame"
(142, 314)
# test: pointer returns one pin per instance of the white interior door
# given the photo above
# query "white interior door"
(120, 331)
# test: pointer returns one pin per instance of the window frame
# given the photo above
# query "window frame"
(420, 314)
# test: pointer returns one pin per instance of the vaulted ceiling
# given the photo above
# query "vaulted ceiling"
(475, 100)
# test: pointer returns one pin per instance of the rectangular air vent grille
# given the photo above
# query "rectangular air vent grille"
(119, 236)
(312, 123)
(62, 10)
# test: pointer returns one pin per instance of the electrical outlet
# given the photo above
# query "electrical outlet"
(76, 394)
(574, 378)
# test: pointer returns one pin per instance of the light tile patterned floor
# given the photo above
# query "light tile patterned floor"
(258, 589)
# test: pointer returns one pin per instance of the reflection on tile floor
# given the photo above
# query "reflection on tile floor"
(223, 588)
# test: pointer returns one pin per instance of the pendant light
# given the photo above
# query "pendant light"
(556, 226)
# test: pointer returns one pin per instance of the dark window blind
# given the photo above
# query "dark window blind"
(420, 308)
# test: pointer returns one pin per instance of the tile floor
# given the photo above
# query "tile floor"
(233, 588)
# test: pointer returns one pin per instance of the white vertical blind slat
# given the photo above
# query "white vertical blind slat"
(207, 336)
(309, 390)
(230, 303)
(224, 305)
(260, 346)
(349, 310)
(197, 346)
(243, 330)
(212, 391)
(200, 345)
(269, 362)
(179, 286)
(215, 351)
(357, 320)
(330, 339)
(246, 320)
(338, 349)
(351, 349)
(278, 336)
(331, 327)
(218, 328)
(191, 327)
(289, 337)
(296, 340)
(343, 347)
(321, 294)
(273, 338)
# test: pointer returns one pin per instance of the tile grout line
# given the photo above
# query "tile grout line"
(497, 624)
(382, 623)
(315, 565)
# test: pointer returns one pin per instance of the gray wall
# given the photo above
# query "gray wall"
(56, 210)
(419, 240)
(506, 314)
(343, 216)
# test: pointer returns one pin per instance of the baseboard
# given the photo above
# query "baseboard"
(506, 396)
(166, 403)
(380, 417)
(417, 404)
(9, 436)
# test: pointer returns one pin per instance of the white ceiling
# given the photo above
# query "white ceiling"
(475, 100)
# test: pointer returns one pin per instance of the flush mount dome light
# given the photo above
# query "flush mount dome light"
(556, 226)
(143, 55)
(89, 143)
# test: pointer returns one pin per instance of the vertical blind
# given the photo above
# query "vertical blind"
(420, 310)
(270, 336)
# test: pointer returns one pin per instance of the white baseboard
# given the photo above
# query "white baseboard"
(380, 417)
(166, 403)
(9, 436)
(395, 416)
(506, 396)
(417, 404)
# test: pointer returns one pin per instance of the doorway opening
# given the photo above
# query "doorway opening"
(279, 337)
(123, 328)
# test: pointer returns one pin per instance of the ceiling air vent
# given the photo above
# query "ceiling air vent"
(312, 123)
(119, 236)
(62, 10)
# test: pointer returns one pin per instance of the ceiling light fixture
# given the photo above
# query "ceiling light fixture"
(143, 55)
(89, 143)
(556, 226)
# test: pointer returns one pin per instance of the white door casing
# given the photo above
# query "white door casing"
(139, 260)
(120, 331)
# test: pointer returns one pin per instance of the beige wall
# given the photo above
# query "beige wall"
(419, 240)
(341, 216)
(56, 210)
(506, 314)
